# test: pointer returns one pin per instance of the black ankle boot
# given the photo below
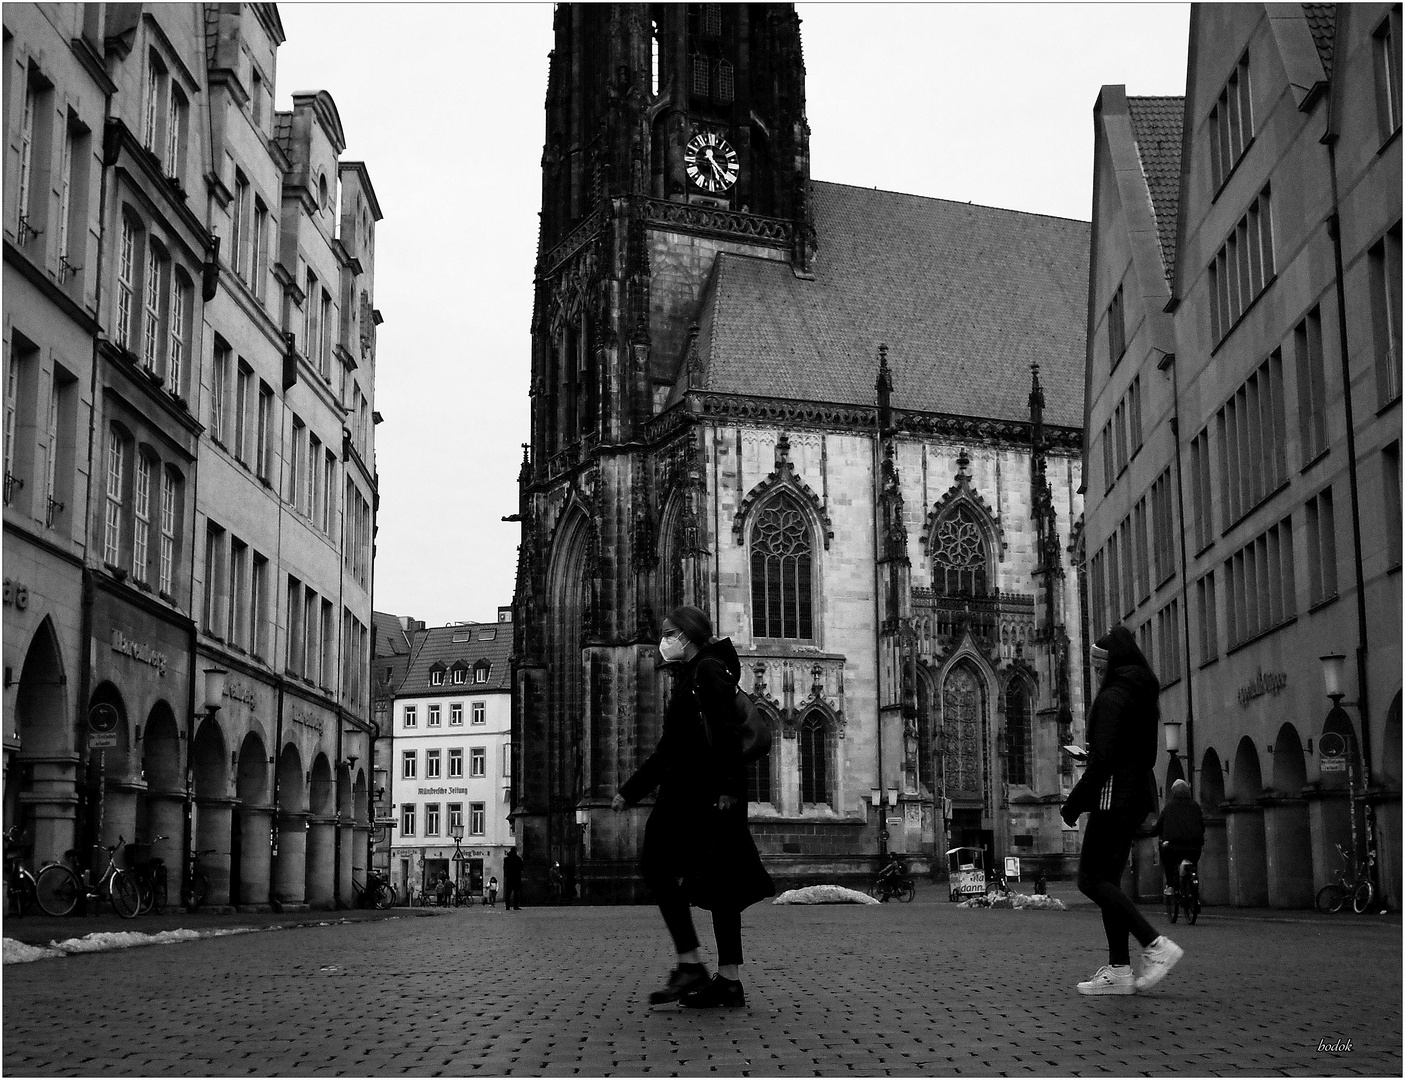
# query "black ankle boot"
(719, 993)
(685, 979)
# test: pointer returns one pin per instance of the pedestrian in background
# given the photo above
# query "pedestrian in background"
(1181, 827)
(696, 843)
(1118, 791)
(512, 881)
(492, 892)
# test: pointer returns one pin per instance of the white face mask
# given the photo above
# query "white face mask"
(671, 649)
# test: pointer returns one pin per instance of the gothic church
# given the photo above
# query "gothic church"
(845, 422)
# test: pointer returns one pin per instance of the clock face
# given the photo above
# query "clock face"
(711, 161)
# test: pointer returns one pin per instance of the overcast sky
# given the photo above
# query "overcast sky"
(990, 104)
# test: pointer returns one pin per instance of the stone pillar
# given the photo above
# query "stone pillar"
(1288, 846)
(255, 857)
(290, 865)
(1329, 824)
(51, 802)
(1248, 875)
(119, 817)
(1387, 807)
(1214, 863)
(166, 817)
(347, 838)
(360, 852)
(213, 832)
(321, 862)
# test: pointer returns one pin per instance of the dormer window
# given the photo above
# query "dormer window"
(459, 673)
(436, 675)
(481, 670)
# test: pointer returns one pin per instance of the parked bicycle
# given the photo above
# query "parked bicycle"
(376, 893)
(21, 892)
(1358, 888)
(61, 888)
(1186, 897)
(197, 888)
(150, 874)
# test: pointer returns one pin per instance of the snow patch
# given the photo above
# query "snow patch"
(824, 894)
(1017, 901)
(17, 952)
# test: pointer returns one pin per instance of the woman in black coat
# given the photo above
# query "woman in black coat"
(1117, 791)
(696, 843)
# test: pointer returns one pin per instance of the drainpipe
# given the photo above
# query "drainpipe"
(1169, 361)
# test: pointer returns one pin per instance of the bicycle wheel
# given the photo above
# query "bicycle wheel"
(1172, 906)
(146, 895)
(1330, 899)
(58, 890)
(906, 891)
(384, 897)
(199, 889)
(1362, 897)
(1192, 905)
(124, 893)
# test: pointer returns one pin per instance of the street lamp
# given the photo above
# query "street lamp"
(456, 834)
(214, 689)
(1171, 730)
(1333, 665)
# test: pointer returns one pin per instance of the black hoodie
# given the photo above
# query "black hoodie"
(1122, 735)
(689, 762)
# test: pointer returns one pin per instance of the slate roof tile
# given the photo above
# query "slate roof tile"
(964, 296)
(1157, 123)
(485, 641)
(1322, 21)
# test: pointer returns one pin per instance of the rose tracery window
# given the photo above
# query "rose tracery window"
(959, 555)
(781, 586)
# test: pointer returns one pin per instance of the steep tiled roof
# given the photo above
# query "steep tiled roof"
(1322, 21)
(391, 638)
(283, 132)
(212, 33)
(468, 643)
(1157, 123)
(964, 296)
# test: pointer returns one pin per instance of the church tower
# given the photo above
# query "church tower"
(673, 133)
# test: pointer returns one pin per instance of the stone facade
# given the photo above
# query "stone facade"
(666, 467)
(232, 457)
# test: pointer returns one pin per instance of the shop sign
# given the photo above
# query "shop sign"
(139, 651)
(236, 690)
(305, 718)
(441, 791)
(1266, 682)
(16, 595)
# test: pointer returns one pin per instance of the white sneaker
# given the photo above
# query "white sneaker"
(1157, 961)
(1110, 980)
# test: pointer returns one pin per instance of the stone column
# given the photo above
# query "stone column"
(166, 814)
(360, 851)
(213, 832)
(1288, 847)
(1248, 876)
(1329, 824)
(321, 862)
(346, 844)
(290, 865)
(1388, 868)
(255, 857)
(52, 801)
(1214, 863)
(119, 818)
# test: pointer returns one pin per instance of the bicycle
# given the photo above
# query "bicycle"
(376, 893)
(198, 887)
(60, 888)
(1186, 896)
(887, 886)
(151, 877)
(21, 889)
(1359, 888)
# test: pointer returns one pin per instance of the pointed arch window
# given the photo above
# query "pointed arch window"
(782, 589)
(963, 720)
(814, 766)
(1019, 733)
(758, 778)
(959, 555)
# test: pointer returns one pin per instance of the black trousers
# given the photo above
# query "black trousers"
(1172, 855)
(512, 894)
(670, 839)
(1106, 845)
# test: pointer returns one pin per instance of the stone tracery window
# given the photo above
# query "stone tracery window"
(782, 600)
(758, 777)
(1019, 734)
(962, 715)
(959, 560)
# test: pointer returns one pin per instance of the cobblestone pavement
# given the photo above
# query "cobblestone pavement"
(899, 990)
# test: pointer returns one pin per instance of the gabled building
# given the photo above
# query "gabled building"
(1269, 428)
(450, 756)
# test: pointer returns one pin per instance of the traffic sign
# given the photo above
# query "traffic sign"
(102, 718)
(1332, 764)
(106, 740)
(1331, 745)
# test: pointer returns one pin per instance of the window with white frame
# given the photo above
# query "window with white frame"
(141, 518)
(455, 814)
(175, 131)
(126, 284)
(412, 716)
(436, 677)
(1321, 548)
(456, 763)
(456, 714)
(477, 761)
(431, 819)
(112, 518)
(475, 819)
(408, 767)
(177, 329)
(481, 671)
(480, 712)
(434, 716)
(460, 674)
(168, 531)
(431, 764)
(243, 401)
(219, 377)
(407, 819)
(214, 578)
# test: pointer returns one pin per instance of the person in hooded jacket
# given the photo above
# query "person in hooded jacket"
(1117, 792)
(697, 847)
(1181, 827)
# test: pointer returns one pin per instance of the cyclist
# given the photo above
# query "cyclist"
(1181, 827)
(892, 872)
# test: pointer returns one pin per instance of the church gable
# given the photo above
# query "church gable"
(779, 485)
